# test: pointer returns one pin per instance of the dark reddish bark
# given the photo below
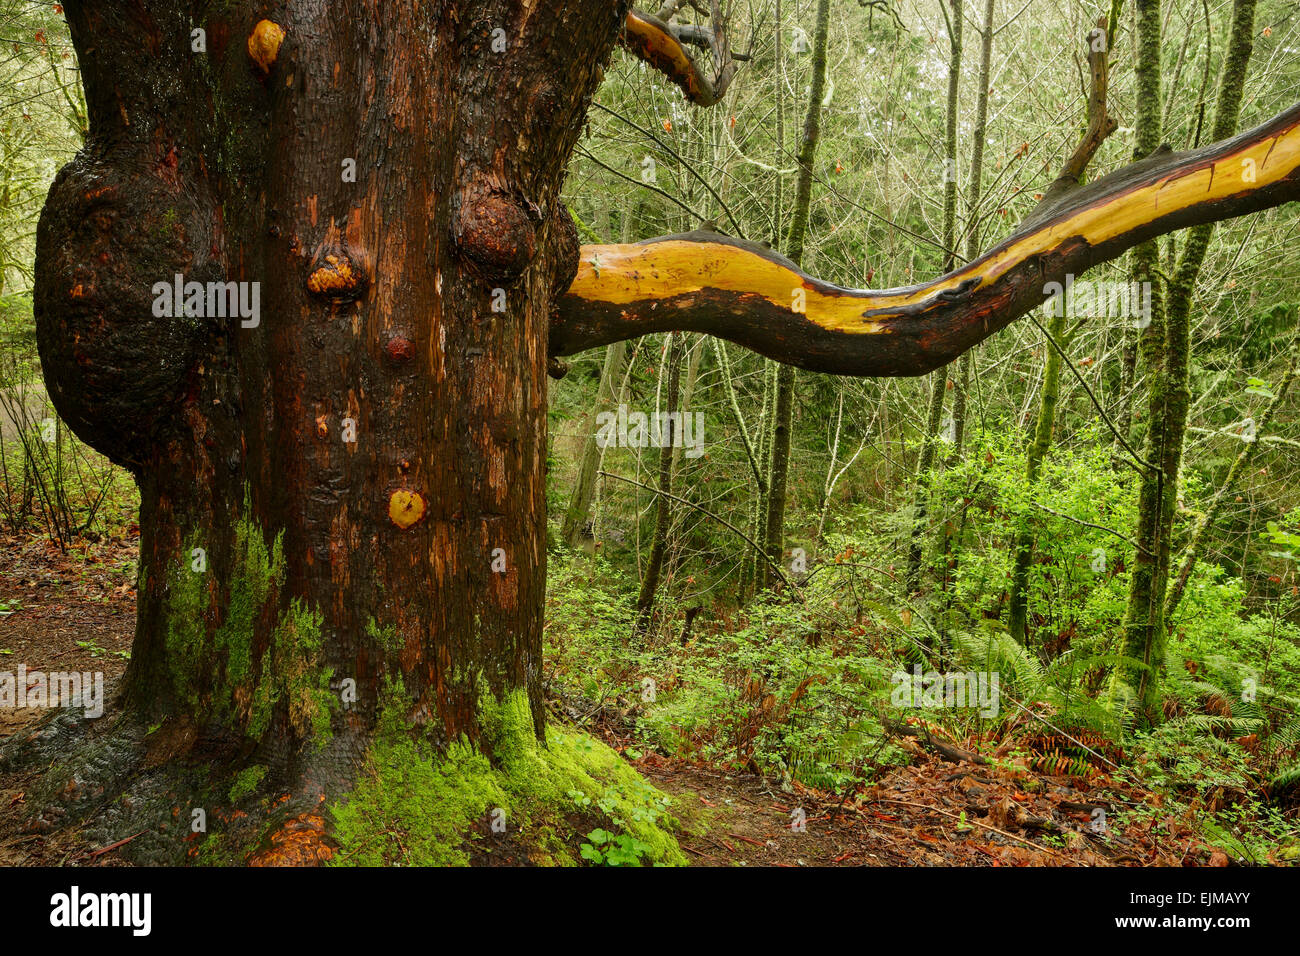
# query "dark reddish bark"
(376, 305)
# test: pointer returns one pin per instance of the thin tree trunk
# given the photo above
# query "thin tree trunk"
(663, 513)
(1017, 613)
(784, 415)
(939, 381)
(753, 454)
(832, 475)
(778, 473)
(973, 190)
(755, 572)
(1099, 126)
(1141, 641)
(608, 394)
(924, 467)
(694, 353)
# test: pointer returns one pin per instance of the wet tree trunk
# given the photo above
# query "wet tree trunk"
(342, 469)
(347, 486)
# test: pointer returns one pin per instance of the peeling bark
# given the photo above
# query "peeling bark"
(705, 282)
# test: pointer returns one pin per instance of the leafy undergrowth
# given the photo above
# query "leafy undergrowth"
(803, 693)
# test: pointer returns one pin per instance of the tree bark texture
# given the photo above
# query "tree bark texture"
(362, 467)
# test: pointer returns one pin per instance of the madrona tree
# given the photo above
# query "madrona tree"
(336, 414)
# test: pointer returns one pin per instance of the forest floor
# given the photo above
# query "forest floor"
(76, 612)
(72, 612)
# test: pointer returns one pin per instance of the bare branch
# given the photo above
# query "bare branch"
(1100, 123)
(662, 44)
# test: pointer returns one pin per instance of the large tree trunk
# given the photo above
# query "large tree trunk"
(362, 468)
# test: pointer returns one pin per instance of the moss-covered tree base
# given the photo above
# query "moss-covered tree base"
(538, 804)
(391, 798)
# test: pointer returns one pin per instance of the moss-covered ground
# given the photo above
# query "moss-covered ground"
(573, 799)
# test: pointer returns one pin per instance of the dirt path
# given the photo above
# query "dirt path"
(933, 813)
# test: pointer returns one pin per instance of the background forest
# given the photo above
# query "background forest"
(746, 603)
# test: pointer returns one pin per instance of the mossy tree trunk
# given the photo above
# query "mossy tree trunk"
(1167, 353)
(1141, 640)
(342, 488)
(347, 486)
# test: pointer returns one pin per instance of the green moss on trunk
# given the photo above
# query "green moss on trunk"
(223, 666)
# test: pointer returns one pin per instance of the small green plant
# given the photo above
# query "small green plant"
(613, 849)
(1283, 538)
(581, 799)
(643, 805)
